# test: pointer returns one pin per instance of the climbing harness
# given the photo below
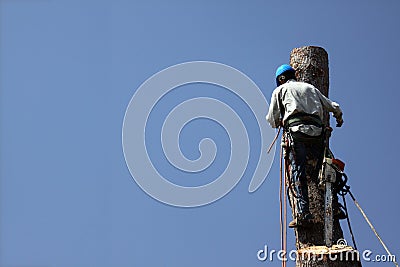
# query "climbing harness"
(303, 118)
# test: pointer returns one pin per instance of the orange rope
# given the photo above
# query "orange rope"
(285, 216)
(280, 201)
(273, 142)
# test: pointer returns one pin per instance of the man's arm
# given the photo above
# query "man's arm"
(274, 112)
(333, 107)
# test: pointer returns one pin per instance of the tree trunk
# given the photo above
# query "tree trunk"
(322, 256)
(311, 65)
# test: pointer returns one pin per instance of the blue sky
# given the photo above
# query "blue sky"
(68, 71)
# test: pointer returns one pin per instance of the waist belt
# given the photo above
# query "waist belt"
(303, 118)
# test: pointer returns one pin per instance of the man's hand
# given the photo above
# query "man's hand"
(339, 122)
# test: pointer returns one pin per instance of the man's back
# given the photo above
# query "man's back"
(299, 97)
(293, 98)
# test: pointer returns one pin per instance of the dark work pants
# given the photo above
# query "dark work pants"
(304, 158)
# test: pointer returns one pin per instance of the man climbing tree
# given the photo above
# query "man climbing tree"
(300, 108)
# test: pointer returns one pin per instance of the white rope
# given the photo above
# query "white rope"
(373, 229)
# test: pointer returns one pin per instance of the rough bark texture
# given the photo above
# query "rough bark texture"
(311, 65)
(321, 256)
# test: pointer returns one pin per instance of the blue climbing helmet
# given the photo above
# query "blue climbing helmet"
(281, 70)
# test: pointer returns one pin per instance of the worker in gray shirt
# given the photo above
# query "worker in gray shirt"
(299, 108)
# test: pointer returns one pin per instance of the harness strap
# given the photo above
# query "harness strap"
(303, 118)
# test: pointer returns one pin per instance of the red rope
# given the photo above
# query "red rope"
(282, 205)
(280, 201)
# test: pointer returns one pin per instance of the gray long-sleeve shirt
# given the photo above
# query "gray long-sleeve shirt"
(300, 97)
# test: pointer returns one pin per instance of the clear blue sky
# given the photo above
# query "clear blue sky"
(68, 72)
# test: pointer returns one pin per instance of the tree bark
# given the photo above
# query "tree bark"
(311, 65)
(322, 256)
